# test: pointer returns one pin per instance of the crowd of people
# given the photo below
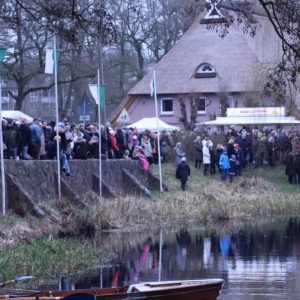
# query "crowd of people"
(229, 153)
(38, 141)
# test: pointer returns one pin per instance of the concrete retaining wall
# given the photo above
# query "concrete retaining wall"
(33, 181)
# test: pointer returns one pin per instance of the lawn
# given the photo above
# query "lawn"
(263, 192)
(275, 176)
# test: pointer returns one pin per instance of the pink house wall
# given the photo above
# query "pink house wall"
(144, 107)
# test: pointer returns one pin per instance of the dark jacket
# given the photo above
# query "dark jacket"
(103, 142)
(183, 171)
(283, 143)
(25, 134)
(244, 144)
(212, 156)
(80, 150)
(93, 150)
(11, 137)
(120, 142)
(198, 151)
(232, 169)
(230, 150)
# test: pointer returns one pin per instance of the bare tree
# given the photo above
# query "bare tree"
(27, 27)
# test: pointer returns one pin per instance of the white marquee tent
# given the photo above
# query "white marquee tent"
(15, 115)
(252, 121)
(253, 116)
(150, 123)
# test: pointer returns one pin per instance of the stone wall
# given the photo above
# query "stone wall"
(36, 181)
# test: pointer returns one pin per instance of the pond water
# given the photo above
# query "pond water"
(258, 259)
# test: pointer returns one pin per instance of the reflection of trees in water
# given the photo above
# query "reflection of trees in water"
(191, 254)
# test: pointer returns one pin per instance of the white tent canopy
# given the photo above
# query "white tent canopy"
(251, 121)
(150, 123)
(15, 115)
(253, 116)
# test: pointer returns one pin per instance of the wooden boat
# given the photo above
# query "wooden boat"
(208, 289)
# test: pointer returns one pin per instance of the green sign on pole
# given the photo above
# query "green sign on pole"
(102, 95)
(2, 54)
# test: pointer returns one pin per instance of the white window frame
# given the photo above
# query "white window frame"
(201, 112)
(161, 107)
(201, 69)
(200, 73)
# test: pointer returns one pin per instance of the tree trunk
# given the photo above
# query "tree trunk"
(183, 117)
(194, 113)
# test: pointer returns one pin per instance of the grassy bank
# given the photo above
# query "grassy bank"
(49, 258)
(264, 192)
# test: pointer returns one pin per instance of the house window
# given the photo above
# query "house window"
(3, 81)
(46, 97)
(46, 106)
(167, 106)
(4, 98)
(201, 105)
(34, 96)
(33, 107)
(231, 102)
(5, 94)
(205, 71)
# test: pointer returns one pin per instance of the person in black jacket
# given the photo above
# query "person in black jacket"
(120, 143)
(212, 161)
(25, 133)
(80, 149)
(11, 139)
(183, 172)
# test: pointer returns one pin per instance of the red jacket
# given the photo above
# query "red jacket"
(114, 142)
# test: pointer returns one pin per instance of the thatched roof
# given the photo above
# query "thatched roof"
(239, 60)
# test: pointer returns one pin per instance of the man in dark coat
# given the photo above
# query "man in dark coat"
(183, 172)
(198, 155)
(120, 143)
(25, 133)
(283, 145)
(11, 139)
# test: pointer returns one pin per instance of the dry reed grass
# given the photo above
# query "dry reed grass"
(204, 201)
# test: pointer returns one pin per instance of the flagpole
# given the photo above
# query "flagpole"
(158, 137)
(160, 255)
(57, 121)
(100, 144)
(2, 157)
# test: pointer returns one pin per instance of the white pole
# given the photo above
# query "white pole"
(100, 144)
(57, 121)
(84, 113)
(2, 157)
(158, 138)
(101, 277)
(160, 255)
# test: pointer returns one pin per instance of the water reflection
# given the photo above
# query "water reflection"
(258, 260)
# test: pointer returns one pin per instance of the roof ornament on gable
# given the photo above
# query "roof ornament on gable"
(214, 15)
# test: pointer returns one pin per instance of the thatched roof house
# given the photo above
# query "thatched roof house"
(203, 68)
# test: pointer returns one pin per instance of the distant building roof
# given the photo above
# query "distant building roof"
(237, 58)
